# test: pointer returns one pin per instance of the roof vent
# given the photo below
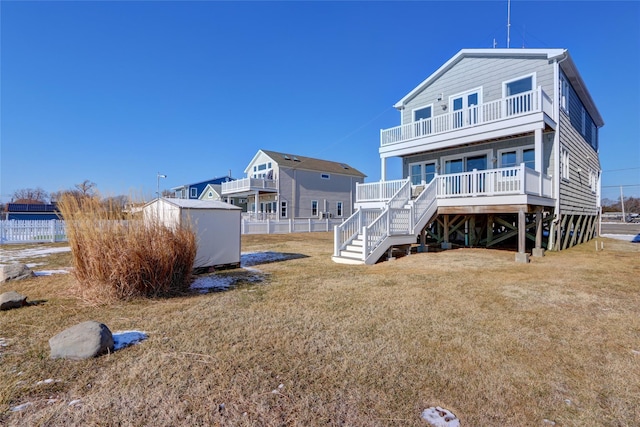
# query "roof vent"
(344, 166)
(286, 157)
(295, 159)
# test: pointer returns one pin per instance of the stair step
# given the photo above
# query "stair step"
(350, 254)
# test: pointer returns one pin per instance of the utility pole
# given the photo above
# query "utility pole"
(624, 217)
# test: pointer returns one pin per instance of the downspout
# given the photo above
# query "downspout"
(556, 149)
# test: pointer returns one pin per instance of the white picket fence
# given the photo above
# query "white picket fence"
(289, 226)
(32, 231)
(37, 231)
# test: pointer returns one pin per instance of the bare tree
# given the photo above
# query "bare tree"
(30, 196)
(86, 188)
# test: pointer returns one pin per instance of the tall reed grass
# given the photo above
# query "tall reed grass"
(116, 258)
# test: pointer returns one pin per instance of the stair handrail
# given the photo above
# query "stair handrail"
(422, 204)
(375, 233)
(402, 196)
(345, 232)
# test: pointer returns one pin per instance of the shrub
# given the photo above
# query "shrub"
(118, 259)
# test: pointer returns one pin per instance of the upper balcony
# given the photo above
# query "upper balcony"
(248, 186)
(512, 115)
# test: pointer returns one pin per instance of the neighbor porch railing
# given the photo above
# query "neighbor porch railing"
(505, 108)
(249, 184)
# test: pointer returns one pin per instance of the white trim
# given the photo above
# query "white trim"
(533, 83)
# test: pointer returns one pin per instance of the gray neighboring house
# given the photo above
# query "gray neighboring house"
(282, 186)
(498, 146)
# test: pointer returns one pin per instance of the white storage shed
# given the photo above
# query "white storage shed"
(216, 224)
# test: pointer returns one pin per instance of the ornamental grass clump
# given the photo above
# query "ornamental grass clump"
(117, 256)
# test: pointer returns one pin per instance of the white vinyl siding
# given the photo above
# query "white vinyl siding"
(475, 72)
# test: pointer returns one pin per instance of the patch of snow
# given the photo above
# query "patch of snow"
(212, 283)
(551, 423)
(248, 259)
(20, 407)
(35, 264)
(18, 254)
(122, 339)
(47, 381)
(75, 402)
(50, 272)
(438, 417)
(633, 238)
(3, 342)
(635, 352)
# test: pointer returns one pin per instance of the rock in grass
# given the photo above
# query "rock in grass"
(82, 341)
(12, 299)
(15, 271)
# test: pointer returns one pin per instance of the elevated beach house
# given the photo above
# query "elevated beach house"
(282, 186)
(499, 147)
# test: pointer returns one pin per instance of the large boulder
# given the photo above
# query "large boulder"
(12, 299)
(82, 341)
(15, 271)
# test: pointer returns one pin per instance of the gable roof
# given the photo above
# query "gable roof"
(195, 203)
(202, 184)
(294, 161)
(560, 55)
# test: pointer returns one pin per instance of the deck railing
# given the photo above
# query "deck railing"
(505, 108)
(494, 182)
(378, 191)
(249, 184)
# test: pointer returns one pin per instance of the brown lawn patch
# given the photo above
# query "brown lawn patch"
(318, 343)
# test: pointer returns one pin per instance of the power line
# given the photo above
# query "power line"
(623, 185)
(625, 169)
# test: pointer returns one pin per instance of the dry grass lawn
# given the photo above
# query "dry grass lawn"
(318, 343)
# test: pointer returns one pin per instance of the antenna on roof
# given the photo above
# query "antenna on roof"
(495, 43)
(508, 23)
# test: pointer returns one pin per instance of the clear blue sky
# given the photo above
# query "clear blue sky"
(115, 92)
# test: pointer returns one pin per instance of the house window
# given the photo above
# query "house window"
(519, 85)
(529, 158)
(593, 181)
(231, 202)
(325, 176)
(508, 159)
(422, 113)
(422, 172)
(283, 209)
(314, 208)
(564, 164)
(338, 208)
(516, 156)
(194, 192)
(178, 194)
(210, 194)
(518, 104)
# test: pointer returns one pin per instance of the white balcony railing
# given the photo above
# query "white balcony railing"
(493, 182)
(502, 109)
(378, 191)
(249, 184)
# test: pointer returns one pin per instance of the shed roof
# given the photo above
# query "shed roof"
(196, 204)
